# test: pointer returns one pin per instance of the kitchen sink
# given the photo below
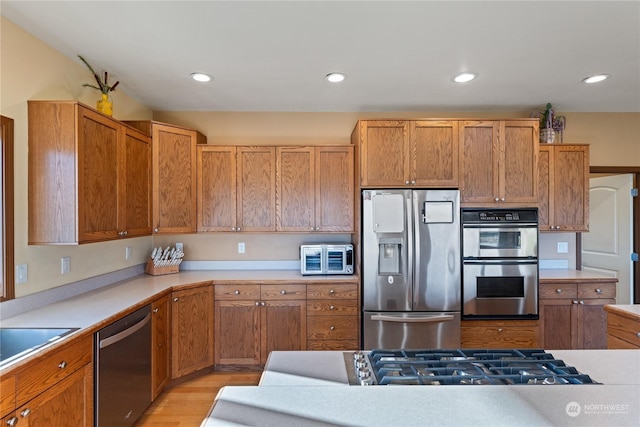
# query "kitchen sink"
(18, 342)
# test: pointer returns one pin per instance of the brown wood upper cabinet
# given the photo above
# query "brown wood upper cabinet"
(564, 187)
(400, 153)
(499, 162)
(236, 188)
(174, 175)
(89, 176)
(314, 189)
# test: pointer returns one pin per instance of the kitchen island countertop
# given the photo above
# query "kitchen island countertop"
(291, 392)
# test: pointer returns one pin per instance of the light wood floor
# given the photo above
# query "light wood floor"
(187, 403)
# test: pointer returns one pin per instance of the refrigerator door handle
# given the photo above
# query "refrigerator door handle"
(416, 319)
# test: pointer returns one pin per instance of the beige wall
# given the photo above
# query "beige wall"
(32, 70)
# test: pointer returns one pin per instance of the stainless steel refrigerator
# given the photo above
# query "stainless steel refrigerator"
(411, 269)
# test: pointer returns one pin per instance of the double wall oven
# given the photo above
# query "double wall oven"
(500, 263)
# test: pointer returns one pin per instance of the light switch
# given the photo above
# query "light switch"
(21, 273)
(563, 247)
(65, 264)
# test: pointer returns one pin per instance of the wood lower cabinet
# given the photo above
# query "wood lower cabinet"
(160, 345)
(499, 334)
(192, 338)
(53, 390)
(252, 320)
(332, 317)
(89, 176)
(572, 313)
(563, 187)
(174, 175)
(314, 189)
(499, 162)
(623, 327)
(405, 153)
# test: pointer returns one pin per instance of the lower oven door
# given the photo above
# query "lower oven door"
(501, 288)
(411, 330)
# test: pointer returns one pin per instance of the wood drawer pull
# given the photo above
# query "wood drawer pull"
(62, 364)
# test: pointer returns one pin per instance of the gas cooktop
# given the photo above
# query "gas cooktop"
(461, 367)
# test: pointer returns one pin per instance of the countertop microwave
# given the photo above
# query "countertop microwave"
(326, 259)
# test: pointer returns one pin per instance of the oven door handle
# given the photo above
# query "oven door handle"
(420, 319)
(499, 261)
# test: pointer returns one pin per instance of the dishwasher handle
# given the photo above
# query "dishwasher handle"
(421, 319)
(124, 334)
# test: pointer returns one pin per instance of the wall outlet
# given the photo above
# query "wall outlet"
(241, 248)
(65, 264)
(563, 247)
(21, 273)
(127, 252)
(179, 247)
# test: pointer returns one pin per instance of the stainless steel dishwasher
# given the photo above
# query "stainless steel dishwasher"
(123, 370)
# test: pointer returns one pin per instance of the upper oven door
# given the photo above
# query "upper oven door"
(482, 241)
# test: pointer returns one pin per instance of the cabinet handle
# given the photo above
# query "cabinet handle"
(598, 291)
(283, 292)
(175, 299)
(406, 182)
(559, 290)
(557, 227)
(574, 302)
(497, 199)
(581, 302)
(332, 328)
(155, 310)
(499, 329)
(156, 230)
(62, 364)
(25, 413)
(413, 181)
(257, 303)
(331, 307)
(12, 421)
(238, 229)
(638, 334)
(237, 292)
(332, 292)
(262, 303)
(233, 229)
(502, 200)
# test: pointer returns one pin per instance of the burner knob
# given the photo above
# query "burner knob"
(364, 373)
(358, 355)
(361, 363)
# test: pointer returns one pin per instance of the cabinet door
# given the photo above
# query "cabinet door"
(237, 332)
(592, 323)
(135, 185)
(283, 327)
(434, 153)
(192, 330)
(545, 187)
(97, 177)
(334, 189)
(160, 350)
(256, 180)
(558, 323)
(295, 196)
(216, 188)
(384, 153)
(479, 162)
(571, 188)
(519, 168)
(174, 179)
(68, 403)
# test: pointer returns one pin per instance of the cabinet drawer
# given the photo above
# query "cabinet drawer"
(349, 291)
(558, 290)
(236, 292)
(344, 345)
(623, 328)
(332, 328)
(59, 364)
(7, 394)
(597, 290)
(332, 307)
(499, 337)
(279, 292)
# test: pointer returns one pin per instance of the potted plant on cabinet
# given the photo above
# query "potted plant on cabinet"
(550, 124)
(104, 105)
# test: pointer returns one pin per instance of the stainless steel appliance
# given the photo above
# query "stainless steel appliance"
(460, 367)
(326, 259)
(123, 370)
(411, 268)
(500, 263)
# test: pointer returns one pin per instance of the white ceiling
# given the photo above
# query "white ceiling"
(399, 56)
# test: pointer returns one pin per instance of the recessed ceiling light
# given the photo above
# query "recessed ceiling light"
(596, 78)
(335, 77)
(201, 77)
(464, 77)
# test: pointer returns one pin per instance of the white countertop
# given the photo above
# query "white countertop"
(289, 394)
